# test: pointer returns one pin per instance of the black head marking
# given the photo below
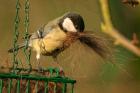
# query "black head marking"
(76, 19)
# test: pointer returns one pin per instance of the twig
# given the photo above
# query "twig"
(133, 3)
(135, 40)
(108, 28)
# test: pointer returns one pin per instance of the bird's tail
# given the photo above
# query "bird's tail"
(16, 49)
(98, 44)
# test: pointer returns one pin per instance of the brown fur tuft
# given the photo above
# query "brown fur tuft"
(98, 44)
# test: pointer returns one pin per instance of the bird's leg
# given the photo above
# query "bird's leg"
(38, 65)
(38, 62)
(57, 63)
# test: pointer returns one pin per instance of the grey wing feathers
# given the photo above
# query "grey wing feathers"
(45, 29)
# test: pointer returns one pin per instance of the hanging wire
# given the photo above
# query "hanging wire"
(16, 35)
(27, 53)
(26, 35)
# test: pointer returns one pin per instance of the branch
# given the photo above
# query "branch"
(108, 28)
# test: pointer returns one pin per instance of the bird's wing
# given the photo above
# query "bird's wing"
(51, 25)
(42, 31)
(47, 28)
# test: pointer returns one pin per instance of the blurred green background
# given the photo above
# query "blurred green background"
(92, 75)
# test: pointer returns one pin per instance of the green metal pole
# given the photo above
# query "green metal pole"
(64, 87)
(28, 87)
(9, 86)
(36, 87)
(46, 86)
(1, 85)
(18, 86)
(72, 88)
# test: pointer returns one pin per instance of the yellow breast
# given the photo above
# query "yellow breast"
(54, 40)
(50, 42)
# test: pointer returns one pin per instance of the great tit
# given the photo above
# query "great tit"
(59, 34)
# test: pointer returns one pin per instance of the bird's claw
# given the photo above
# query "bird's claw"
(29, 68)
(60, 69)
(40, 69)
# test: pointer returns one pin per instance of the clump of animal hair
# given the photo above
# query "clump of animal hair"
(96, 43)
(91, 40)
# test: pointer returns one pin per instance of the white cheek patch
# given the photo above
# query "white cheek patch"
(68, 25)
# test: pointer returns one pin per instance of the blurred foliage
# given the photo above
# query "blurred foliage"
(97, 77)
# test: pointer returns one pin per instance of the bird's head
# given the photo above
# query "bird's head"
(72, 22)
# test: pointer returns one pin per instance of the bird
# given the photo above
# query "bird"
(59, 34)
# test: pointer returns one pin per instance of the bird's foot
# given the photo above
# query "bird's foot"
(29, 68)
(61, 72)
(60, 69)
(40, 69)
